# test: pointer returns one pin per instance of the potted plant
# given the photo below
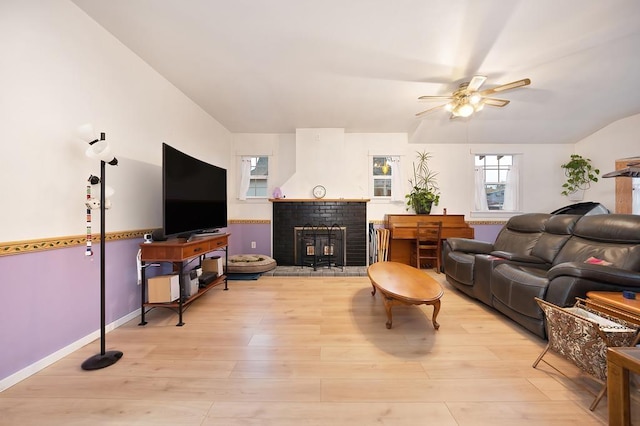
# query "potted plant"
(580, 173)
(424, 186)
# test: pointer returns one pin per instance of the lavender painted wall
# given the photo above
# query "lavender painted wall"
(242, 234)
(486, 233)
(52, 299)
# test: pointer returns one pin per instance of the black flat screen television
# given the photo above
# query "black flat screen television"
(194, 194)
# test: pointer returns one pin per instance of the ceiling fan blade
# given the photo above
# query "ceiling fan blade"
(476, 82)
(508, 86)
(435, 98)
(495, 102)
(429, 110)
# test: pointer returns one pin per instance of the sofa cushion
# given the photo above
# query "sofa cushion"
(459, 266)
(521, 233)
(516, 286)
(557, 231)
(617, 229)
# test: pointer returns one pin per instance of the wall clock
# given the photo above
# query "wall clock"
(319, 191)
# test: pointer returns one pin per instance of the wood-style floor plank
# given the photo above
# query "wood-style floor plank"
(313, 351)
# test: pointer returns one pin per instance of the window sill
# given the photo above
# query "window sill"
(494, 214)
(253, 200)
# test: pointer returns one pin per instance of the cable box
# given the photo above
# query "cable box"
(207, 278)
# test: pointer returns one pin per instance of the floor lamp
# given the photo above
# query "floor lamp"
(99, 149)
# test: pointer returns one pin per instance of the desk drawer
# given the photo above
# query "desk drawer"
(195, 250)
(220, 242)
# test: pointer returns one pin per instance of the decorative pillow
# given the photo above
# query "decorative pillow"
(246, 258)
(595, 261)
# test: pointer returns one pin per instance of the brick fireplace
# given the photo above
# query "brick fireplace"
(349, 215)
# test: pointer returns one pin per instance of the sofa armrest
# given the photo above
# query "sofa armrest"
(467, 245)
(515, 257)
(599, 273)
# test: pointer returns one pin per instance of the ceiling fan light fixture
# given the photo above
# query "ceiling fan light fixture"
(468, 98)
(463, 110)
(475, 99)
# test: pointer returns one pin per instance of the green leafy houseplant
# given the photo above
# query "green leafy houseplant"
(580, 173)
(424, 186)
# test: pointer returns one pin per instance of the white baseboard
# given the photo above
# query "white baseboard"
(32, 369)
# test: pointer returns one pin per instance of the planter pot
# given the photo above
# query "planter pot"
(576, 196)
(423, 209)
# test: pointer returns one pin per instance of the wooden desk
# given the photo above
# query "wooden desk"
(403, 232)
(620, 361)
(177, 251)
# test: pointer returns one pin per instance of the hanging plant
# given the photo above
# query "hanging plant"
(580, 173)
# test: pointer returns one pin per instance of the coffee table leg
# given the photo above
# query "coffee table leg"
(387, 308)
(373, 292)
(436, 309)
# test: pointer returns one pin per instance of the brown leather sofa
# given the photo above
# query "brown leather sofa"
(554, 257)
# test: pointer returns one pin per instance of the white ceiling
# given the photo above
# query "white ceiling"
(274, 66)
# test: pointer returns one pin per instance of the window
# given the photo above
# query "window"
(496, 182)
(254, 177)
(382, 171)
(385, 177)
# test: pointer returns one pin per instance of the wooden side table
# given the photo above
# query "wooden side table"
(612, 303)
(620, 361)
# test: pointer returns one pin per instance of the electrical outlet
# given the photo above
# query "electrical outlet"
(253, 244)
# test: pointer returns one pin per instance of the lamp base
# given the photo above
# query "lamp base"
(99, 361)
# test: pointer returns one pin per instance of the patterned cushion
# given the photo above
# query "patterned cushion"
(250, 263)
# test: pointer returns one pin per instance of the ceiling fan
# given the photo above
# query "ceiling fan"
(468, 99)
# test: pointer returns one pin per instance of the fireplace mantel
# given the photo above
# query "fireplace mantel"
(316, 200)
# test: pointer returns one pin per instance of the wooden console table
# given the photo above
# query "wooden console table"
(403, 232)
(177, 251)
(620, 361)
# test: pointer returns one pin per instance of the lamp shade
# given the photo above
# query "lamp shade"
(86, 132)
(100, 151)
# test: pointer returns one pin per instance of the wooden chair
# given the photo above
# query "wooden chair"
(428, 244)
(382, 235)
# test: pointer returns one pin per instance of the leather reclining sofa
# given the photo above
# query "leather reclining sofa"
(553, 257)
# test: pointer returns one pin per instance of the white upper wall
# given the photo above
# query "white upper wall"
(343, 167)
(617, 141)
(59, 70)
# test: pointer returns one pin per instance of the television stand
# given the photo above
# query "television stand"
(177, 251)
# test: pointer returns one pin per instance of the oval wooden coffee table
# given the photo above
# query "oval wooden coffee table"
(402, 284)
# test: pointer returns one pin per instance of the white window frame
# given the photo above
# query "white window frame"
(380, 162)
(393, 177)
(254, 159)
(512, 179)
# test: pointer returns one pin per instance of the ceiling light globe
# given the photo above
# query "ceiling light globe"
(464, 110)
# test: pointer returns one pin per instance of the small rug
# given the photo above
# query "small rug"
(242, 277)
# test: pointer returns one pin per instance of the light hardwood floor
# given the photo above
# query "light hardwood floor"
(312, 351)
